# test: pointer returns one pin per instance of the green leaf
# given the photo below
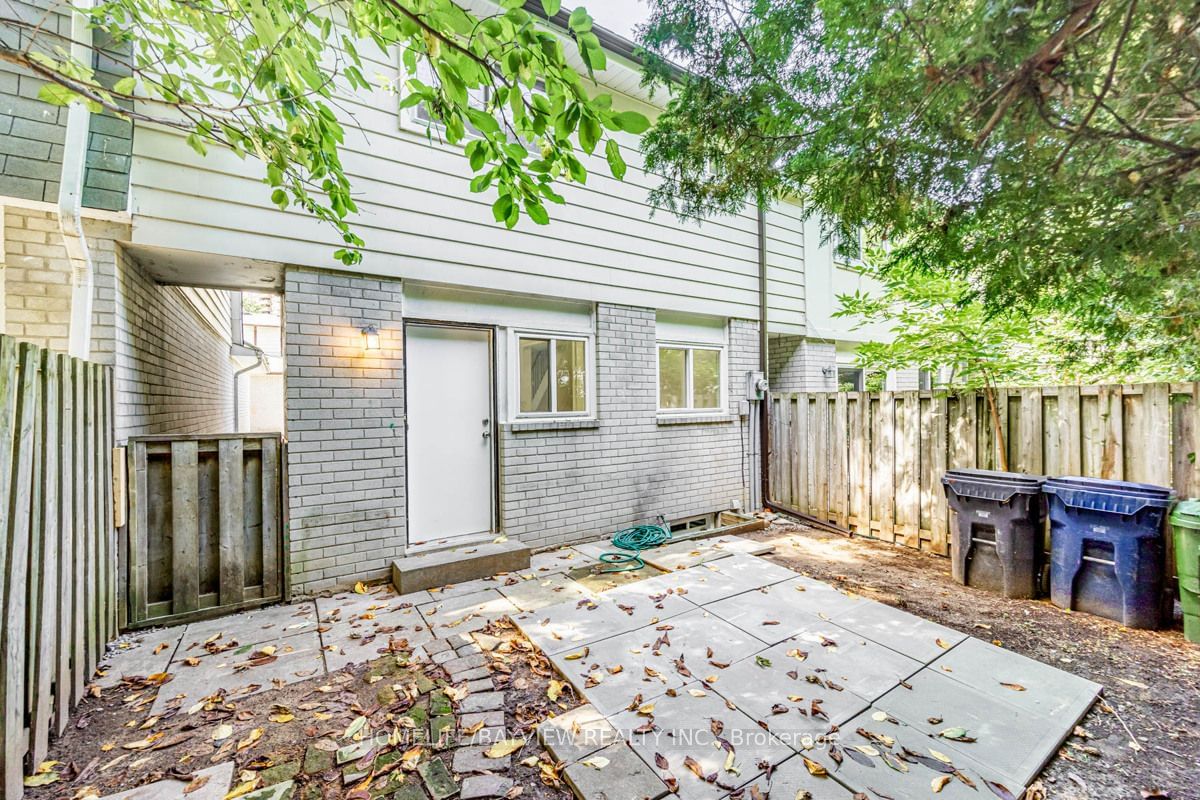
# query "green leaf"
(537, 212)
(125, 85)
(551, 7)
(580, 21)
(631, 122)
(589, 133)
(612, 151)
(56, 95)
(502, 208)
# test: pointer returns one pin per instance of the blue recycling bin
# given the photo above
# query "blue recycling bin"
(1107, 549)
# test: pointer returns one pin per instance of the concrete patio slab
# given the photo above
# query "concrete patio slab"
(774, 687)
(842, 672)
(1013, 742)
(558, 560)
(684, 729)
(348, 605)
(777, 612)
(538, 591)
(647, 662)
(614, 773)
(905, 774)
(596, 580)
(591, 551)
(466, 613)
(219, 778)
(682, 555)
(843, 658)
(138, 656)
(1011, 677)
(793, 780)
(297, 658)
(452, 590)
(576, 734)
(571, 625)
(251, 627)
(568, 626)
(903, 632)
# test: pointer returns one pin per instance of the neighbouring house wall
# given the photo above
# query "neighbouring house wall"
(264, 402)
(172, 368)
(345, 427)
(169, 346)
(32, 132)
(903, 380)
(35, 278)
(796, 363)
(562, 485)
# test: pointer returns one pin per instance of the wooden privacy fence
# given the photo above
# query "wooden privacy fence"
(57, 544)
(206, 532)
(873, 462)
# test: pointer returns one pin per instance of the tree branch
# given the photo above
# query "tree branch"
(1015, 85)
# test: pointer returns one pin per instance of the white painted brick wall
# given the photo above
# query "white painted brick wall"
(171, 369)
(561, 486)
(345, 425)
(796, 364)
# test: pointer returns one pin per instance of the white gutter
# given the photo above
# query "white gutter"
(70, 205)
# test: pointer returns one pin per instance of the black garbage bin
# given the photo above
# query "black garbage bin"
(998, 539)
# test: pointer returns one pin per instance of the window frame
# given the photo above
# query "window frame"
(860, 381)
(589, 373)
(412, 121)
(690, 348)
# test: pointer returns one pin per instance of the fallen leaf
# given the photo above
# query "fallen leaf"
(595, 762)
(360, 588)
(956, 734)
(196, 784)
(1016, 687)
(504, 747)
(939, 783)
(250, 739)
(814, 768)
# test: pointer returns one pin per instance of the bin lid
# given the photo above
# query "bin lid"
(990, 484)
(1118, 497)
(1187, 514)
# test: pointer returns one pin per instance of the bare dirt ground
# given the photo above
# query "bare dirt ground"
(1151, 679)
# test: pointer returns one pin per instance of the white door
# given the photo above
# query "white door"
(448, 374)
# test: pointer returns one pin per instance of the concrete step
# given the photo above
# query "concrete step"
(458, 565)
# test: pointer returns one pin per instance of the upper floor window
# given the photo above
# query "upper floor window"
(690, 377)
(479, 98)
(552, 375)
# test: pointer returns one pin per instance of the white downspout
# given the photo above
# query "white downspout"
(70, 205)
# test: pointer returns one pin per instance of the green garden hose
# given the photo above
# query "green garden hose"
(633, 541)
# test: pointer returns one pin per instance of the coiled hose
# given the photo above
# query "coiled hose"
(633, 541)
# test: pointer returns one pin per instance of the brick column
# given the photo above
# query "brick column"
(345, 426)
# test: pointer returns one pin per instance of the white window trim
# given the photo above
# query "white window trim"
(691, 346)
(514, 374)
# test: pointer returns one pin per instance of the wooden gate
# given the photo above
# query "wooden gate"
(206, 526)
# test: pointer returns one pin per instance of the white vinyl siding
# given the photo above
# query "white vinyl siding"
(421, 222)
